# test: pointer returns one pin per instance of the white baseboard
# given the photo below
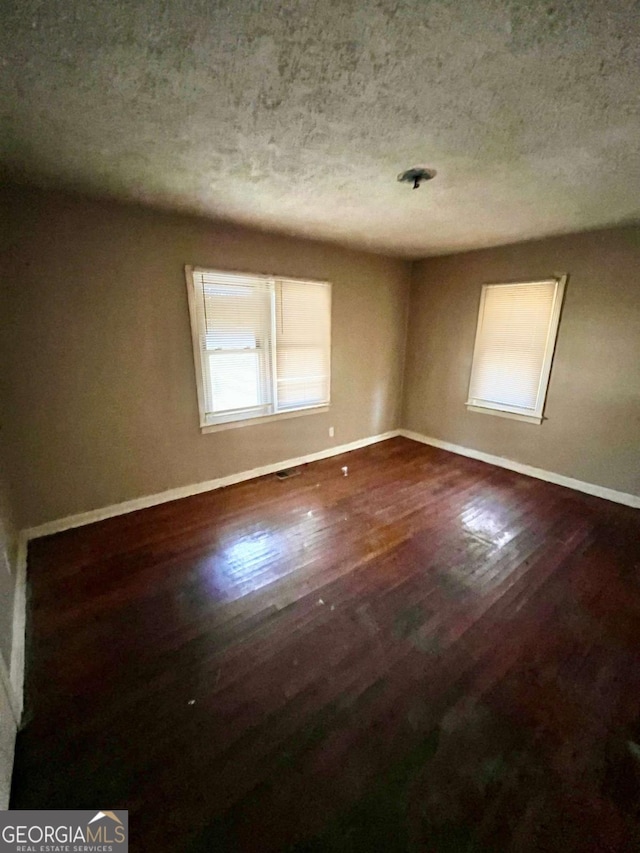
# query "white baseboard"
(19, 626)
(12, 676)
(82, 518)
(8, 730)
(6, 685)
(529, 470)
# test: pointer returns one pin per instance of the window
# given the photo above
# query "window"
(262, 345)
(515, 339)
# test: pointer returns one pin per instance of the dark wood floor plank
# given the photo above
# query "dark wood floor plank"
(428, 654)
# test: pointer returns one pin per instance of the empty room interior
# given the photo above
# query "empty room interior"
(320, 423)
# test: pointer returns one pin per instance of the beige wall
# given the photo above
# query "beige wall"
(592, 431)
(98, 389)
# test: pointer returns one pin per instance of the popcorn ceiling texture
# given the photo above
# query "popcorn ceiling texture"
(297, 116)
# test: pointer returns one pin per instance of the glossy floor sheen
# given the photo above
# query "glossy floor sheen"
(429, 654)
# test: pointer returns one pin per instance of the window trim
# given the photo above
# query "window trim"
(536, 416)
(264, 419)
(241, 419)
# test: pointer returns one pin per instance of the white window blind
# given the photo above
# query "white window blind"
(303, 312)
(235, 343)
(515, 339)
(262, 346)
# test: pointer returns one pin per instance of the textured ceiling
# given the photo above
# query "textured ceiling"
(297, 116)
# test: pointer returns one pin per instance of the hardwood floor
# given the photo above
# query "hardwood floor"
(430, 654)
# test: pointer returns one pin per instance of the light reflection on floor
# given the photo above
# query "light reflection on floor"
(244, 564)
(491, 528)
(488, 525)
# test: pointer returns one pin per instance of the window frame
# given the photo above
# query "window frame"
(245, 417)
(475, 404)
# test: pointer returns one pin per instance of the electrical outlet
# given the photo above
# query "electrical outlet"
(331, 432)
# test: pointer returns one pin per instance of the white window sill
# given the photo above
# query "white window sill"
(296, 413)
(485, 410)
